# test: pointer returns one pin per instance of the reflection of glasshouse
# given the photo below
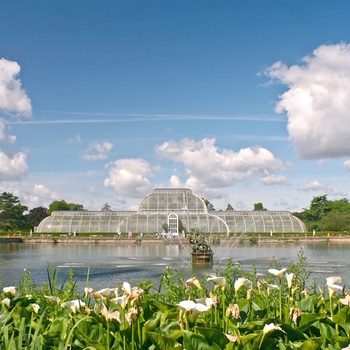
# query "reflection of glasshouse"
(179, 210)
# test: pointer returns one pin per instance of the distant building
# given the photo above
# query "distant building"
(177, 210)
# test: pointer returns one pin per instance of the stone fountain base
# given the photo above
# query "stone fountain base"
(202, 258)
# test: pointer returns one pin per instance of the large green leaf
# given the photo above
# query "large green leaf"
(193, 341)
(326, 330)
(306, 320)
(309, 304)
(152, 323)
(292, 333)
(162, 342)
(214, 336)
(342, 316)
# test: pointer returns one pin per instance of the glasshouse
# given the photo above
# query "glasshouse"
(174, 210)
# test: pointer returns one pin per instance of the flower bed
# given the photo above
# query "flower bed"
(232, 310)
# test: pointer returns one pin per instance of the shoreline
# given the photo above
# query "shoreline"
(151, 240)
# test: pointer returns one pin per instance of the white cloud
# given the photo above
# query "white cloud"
(12, 168)
(347, 164)
(317, 186)
(44, 192)
(275, 180)
(99, 151)
(130, 177)
(3, 136)
(317, 101)
(207, 166)
(175, 182)
(313, 186)
(40, 195)
(13, 99)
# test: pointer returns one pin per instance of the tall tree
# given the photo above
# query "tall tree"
(106, 207)
(229, 207)
(210, 206)
(58, 205)
(35, 216)
(76, 207)
(259, 206)
(63, 205)
(11, 212)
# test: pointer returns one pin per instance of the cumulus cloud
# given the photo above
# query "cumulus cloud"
(130, 177)
(12, 168)
(175, 182)
(13, 98)
(317, 101)
(40, 195)
(317, 186)
(275, 180)
(98, 151)
(44, 192)
(206, 165)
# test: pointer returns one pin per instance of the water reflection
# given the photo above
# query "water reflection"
(111, 265)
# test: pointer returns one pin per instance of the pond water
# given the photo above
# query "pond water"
(109, 265)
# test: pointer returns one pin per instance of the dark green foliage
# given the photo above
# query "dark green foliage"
(11, 212)
(326, 215)
(35, 216)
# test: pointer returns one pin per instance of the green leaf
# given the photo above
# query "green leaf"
(342, 316)
(151, 324)
(326, 330)
(162, 342)
(342, 341)
(194, 341)
(310, 344)
(306, 320)
(293, 334)
(309, 303)
(245, 339)
(214, 336)
(163, 306)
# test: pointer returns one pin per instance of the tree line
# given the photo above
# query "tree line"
(322, 215)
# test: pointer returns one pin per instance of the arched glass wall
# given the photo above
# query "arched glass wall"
(155, 210)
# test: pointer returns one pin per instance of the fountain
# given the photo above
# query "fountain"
(202, 254)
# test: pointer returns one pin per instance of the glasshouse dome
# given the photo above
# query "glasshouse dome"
(177, 209)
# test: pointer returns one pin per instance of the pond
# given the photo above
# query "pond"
(109, 265)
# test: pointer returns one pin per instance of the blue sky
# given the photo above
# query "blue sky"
(241, 101)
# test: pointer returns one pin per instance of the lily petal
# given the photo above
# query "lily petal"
(186, 305)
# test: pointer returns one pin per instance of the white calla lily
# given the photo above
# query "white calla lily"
(345, 300)
(277, 273)
(73, 304)
(186, 305)
(193, 281)
(122, 301)
(6, 301)
(220, 281)
(53, 298)
(290, 278)
(201, 307)
(271, 327)
(209, 302)
(240, 282)
(10, 289)
(87, 291)
(126, 288)
(332, 286)
(36, 308)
